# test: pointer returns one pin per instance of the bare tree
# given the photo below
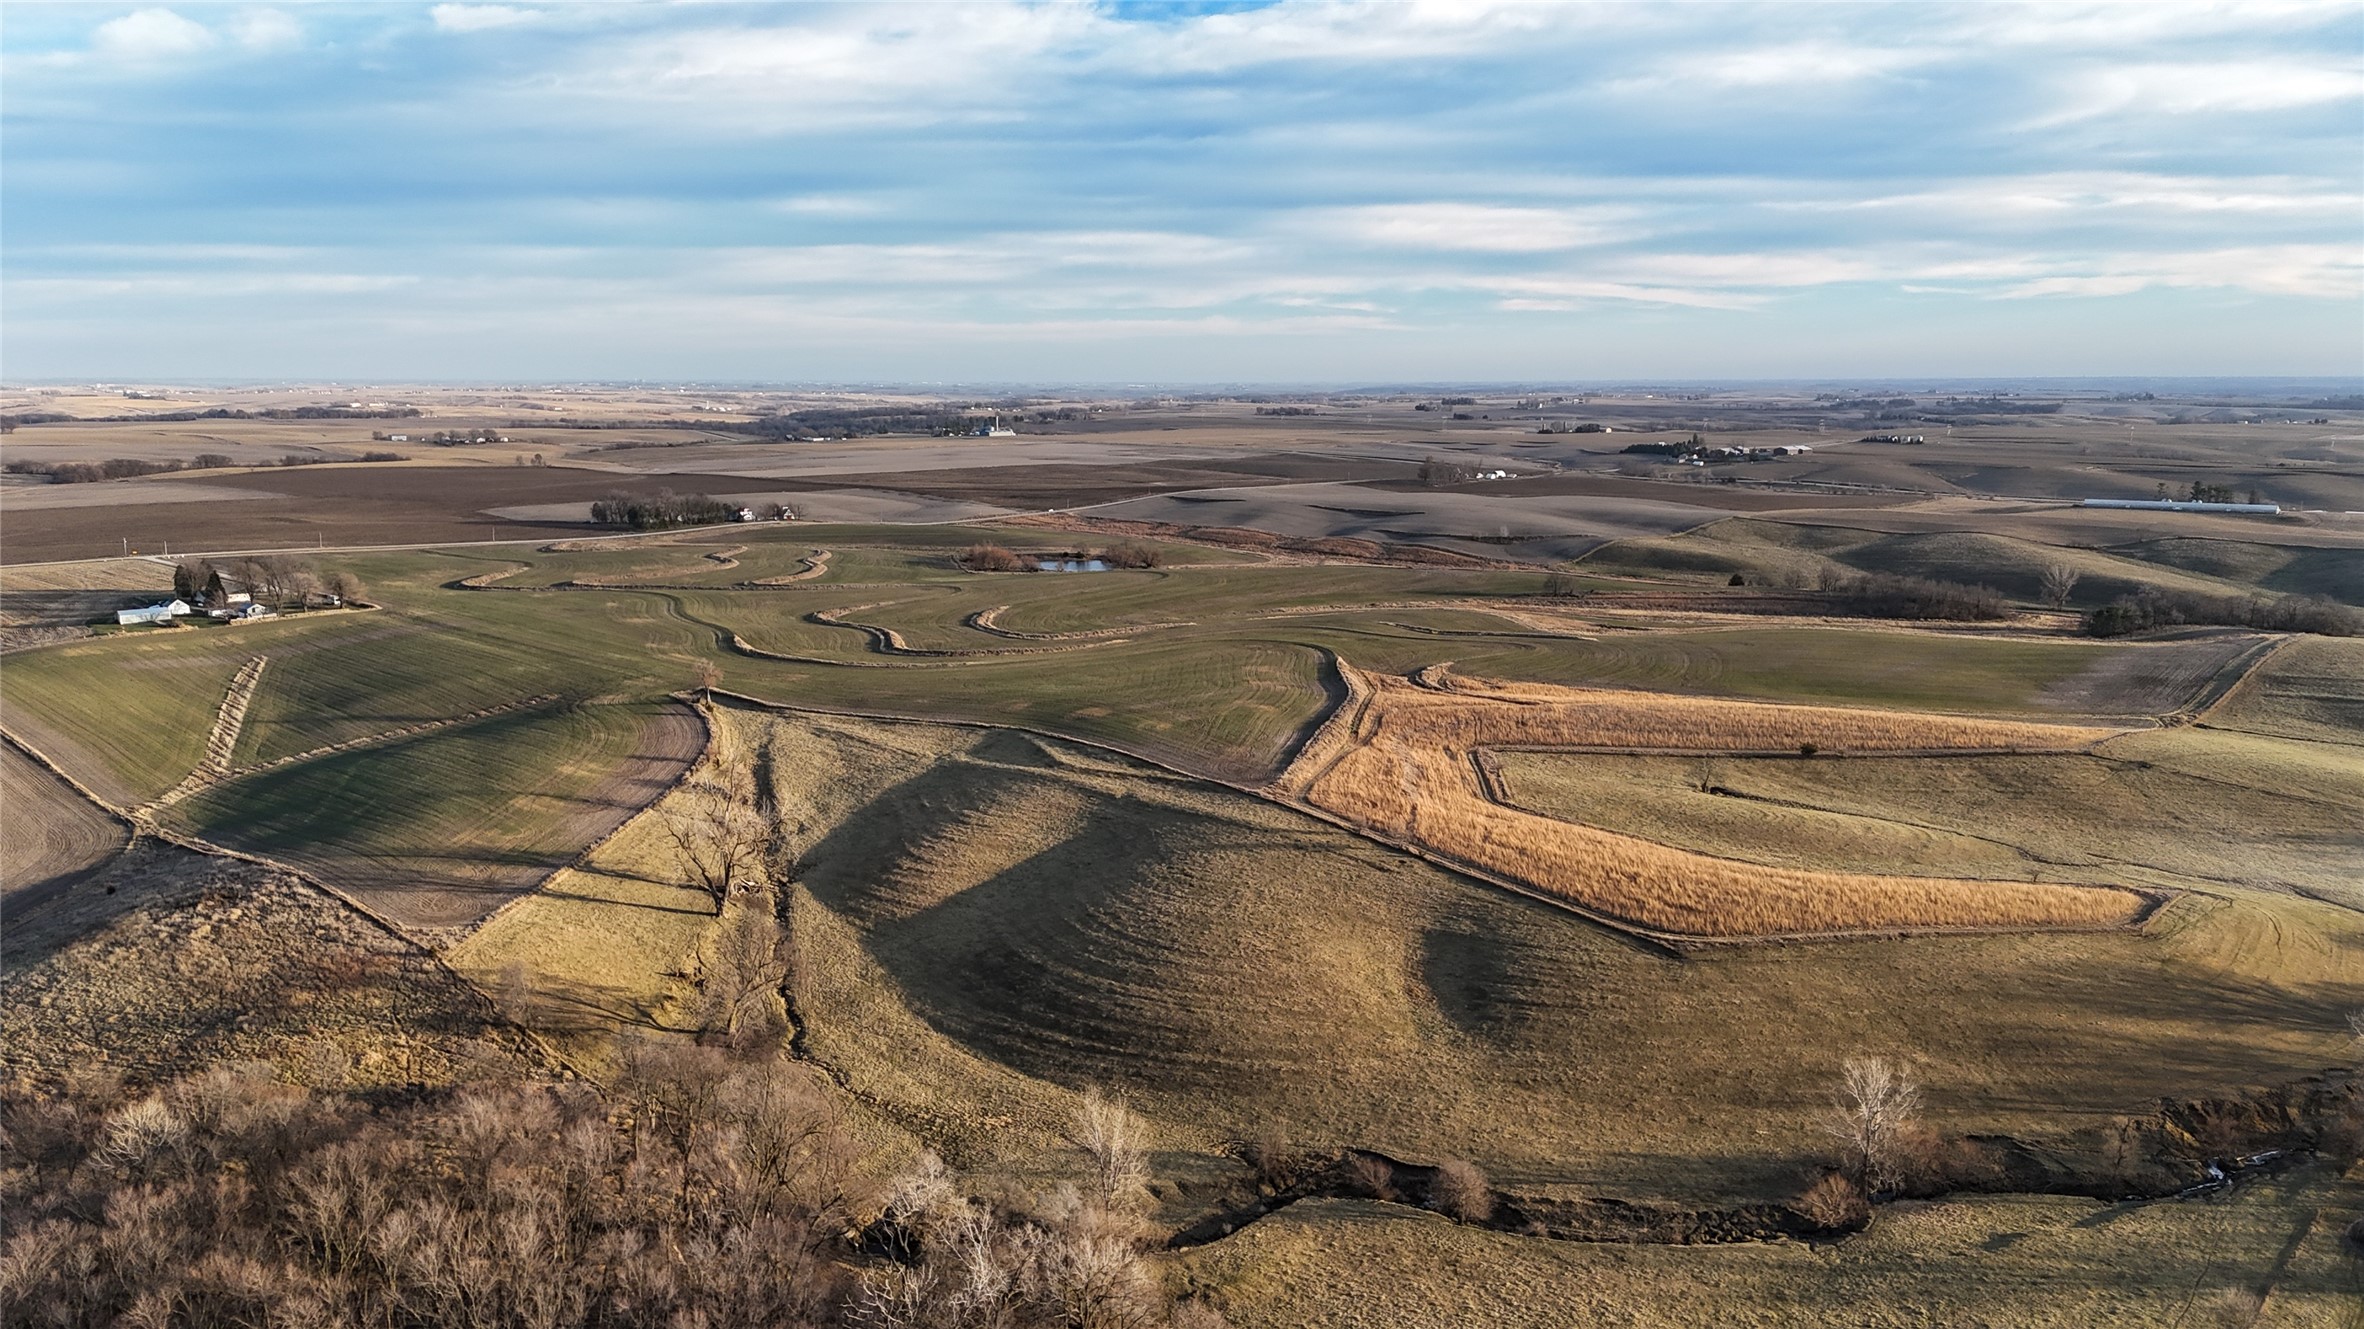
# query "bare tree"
(717, 840)
(345, 586)
(1110, 1134)
(1460, 1190)
(1877, 1100)
(2356, 1036)
(745, 960)
(300, 585)
(2058, 580)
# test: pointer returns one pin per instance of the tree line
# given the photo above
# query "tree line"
(124, 468)
(274, 580)
(664, 510)
(2145, 610)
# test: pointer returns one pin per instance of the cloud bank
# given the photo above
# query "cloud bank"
(1106, 192)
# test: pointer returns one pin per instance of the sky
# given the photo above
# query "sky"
(1176, 193)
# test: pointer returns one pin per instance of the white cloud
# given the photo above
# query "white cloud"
(266, 30)
(829, 205)
(2054, 196)
(1794, 64)
(150, 34)
(2238, 86)
(1473, 227)
(478, 18)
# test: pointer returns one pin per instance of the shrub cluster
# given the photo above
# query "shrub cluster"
(992, 558)
(2145, 610)
(1131, 554)
(1887, 595)
(667, 509)
(702, 1192)
(1438, 472)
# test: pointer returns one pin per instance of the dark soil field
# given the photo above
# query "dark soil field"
(305, 507)
(1083, 486)
(1729, 497)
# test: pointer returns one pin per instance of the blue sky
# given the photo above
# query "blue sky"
(1180, 192)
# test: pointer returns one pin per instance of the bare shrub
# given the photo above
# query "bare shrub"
(1833, 1203)
(1274, 1162)
(2232, 1307)
(1460, 1190)
(227, 1199)
(991, 558)
(2356, 1037)
(1132, 554)
(1373, 1177)
(1110, 1134)
(1068, 1259)
(1875, 1104)
(141, 1137)
(323, 1065)
(1197, 1315)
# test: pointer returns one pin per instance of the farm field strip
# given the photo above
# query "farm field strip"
(1403, 758)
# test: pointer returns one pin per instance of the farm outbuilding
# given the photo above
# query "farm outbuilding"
(2181, 505)
(158, 613)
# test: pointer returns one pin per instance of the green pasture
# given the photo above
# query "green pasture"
(471, 809)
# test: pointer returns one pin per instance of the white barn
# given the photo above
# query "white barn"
(163, 613)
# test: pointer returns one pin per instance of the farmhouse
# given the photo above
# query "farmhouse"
(159, 613)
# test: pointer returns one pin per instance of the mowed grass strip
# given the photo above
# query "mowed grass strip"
(1400, 759)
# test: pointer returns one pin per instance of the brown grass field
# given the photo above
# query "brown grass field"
(1401, 758)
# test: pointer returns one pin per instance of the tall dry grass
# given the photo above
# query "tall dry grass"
(1400, 758)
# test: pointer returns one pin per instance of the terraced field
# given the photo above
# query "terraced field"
(989, 921)
(1409, 760)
